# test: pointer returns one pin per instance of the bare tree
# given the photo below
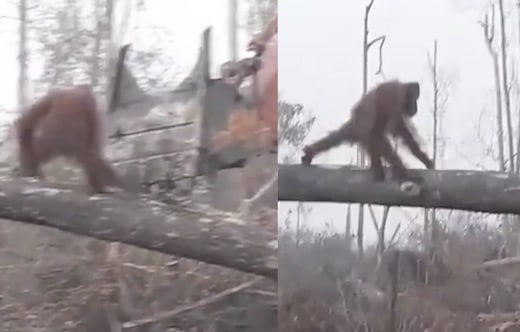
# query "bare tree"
(348, 225)
(294, 125)
(436, 90)
(22, 54)
(361, 157)
(380, 230)
(94, 64)
(505, 84)
(488, 26)
(518, 134)
(60, 32)
(233, 22)
(430, 214)
(432, 227)
(502, 92)
(259, 13)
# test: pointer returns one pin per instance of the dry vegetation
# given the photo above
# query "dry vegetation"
(325, 286)
(53, 281)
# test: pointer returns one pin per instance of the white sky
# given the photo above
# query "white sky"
(184, 20)
(321, 68)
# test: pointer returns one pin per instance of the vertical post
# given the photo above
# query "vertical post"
(203, 80)
(206, 49)
(115, 83)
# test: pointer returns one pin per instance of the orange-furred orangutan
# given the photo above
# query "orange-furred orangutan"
(386, 110)
(65, 123)
(265, 45)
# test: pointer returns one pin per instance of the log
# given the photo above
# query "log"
(496, 263)
(491, 192)
(186, 230)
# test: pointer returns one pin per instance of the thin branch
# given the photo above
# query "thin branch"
(391, 242)
(369, 6)
(374, 219)
(245, 207)
(375, 40)
(500, 262)
(177, 311)
(384, 219)
(382, 40)
(9, 18)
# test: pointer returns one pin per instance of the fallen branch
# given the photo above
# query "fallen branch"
(186, 230)
(245, 207)
(177, 311)
(491, 192)
(497, 317)
(499, 322)
(500, 262)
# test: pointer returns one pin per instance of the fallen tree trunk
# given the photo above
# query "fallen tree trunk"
(508, 261)
(188, 230)
(491, 192)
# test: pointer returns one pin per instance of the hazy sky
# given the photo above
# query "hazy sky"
(321, 68)
(183, 20)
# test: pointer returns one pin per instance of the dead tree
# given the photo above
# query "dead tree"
(518, 134)
(488, 26)
(186, 230)
(431, 223)
(361, 157)
(22, 54)
(506, 85)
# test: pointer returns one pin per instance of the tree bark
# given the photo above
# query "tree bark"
(491, 192)
(187, 230)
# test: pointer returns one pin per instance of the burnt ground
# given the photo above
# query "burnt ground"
(325, 286)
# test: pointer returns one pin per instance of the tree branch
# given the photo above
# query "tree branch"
(508, 261)
(245, 208)
(375, 40)
(187, 230)
(187, 307)
(491, 192)
(369, 6)
(392, 240)
(381, 40)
